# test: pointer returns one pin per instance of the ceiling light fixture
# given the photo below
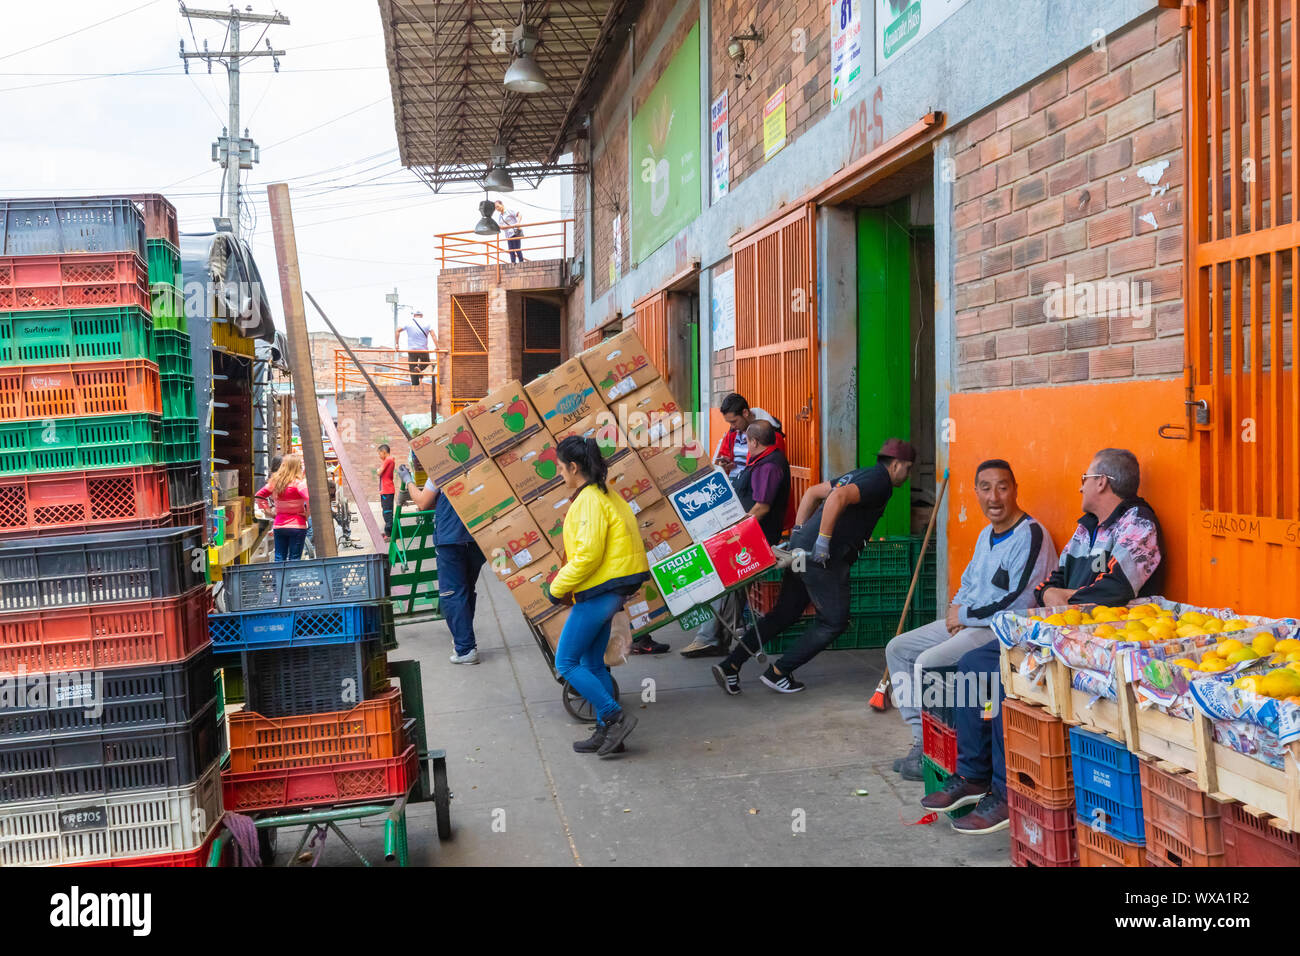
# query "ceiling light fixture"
(498, 177)
(524, 75)
(486, 226)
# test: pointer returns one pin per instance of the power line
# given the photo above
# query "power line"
(91, 26)
(382, 99)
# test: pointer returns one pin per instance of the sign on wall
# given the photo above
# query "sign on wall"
(774, 124)
(901, 23)
(665, 138)
(720, 143)
(846, 49)
(616, 257)
(724, 311)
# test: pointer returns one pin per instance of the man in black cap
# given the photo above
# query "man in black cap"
(834, 520)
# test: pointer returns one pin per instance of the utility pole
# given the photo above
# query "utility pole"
(392, 298)
(232, 151)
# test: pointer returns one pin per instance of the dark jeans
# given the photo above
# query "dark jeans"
(386, 506)
(288, 543)
(828, 590)
(418, 361)
(515, 254)
(458, 568)
(981, 751)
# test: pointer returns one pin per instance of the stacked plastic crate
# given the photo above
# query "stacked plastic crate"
(321, 724)
(1040, 787)
(938, 733)
(1108, 801)
(108, 728)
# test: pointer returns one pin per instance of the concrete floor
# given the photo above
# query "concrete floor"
(707, 779)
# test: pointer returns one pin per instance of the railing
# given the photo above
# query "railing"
(541, 240)
(388, 368)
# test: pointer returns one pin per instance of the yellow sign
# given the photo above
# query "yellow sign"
(774, 124)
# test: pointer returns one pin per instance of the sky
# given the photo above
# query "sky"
(324, 123)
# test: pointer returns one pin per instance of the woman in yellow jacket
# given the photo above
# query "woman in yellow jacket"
(606, 562)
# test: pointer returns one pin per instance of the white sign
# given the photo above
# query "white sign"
(846, 49)
(724, 311)
(901, 23)
(721, 146)
(707, 505)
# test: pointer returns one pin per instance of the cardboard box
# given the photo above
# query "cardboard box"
(673, 466)
(531, 467)
(564, 396)
(512, 542)
(686, 579)
(650, 415)
(553, 627)
(504, 418)
(647, 609)
(740, 553)
(448, 449)
(619, 366)
(602, 426)
(662, 531)
(235, 510)
(549, 511)
(629, 478)
(530, 587)
(707, 505)
(480, 495)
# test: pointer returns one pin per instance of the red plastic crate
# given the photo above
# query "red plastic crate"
(107, 635)
(1102, 849)
(87, 388)
(1183, 825)
(372, 730)
(1250, 840)
(319, 786)
(939, 742)
(762, 597)
(159, 217)
(1022, 854)
(1046, 833)
(108, 498)
(1037, 754)
(72, 280)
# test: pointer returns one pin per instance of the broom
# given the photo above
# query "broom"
(880, 699)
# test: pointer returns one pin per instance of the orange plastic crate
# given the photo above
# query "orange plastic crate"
(1038, 754)
(73, 279)
(66, 500)
(1183, 826)
(320, 786)
(1102, 849)
(106, 635)
(370, 731)
(127, 387)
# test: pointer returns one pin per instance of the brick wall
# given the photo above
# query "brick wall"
(363, 423)
(724, 360)
(609, 196)
(1047, 191)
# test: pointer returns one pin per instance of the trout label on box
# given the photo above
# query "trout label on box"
(686, 579)
(707, 505)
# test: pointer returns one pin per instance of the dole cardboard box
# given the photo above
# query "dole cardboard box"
(619, 366)
(602, 426)
(630, 479)
(564, 396)
(662, 531)
(553, 626)
(480, 495)
(504, 418)
(647, 609)
(531, 467)
(650, 415)
(511, 542)
(686, 579)
(674, 465)
(531, 586)
(548, 511)
(708, 504)
(740, 553)
(447, 449)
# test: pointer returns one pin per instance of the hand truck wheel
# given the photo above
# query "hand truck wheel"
(442, 797)
(579, 707)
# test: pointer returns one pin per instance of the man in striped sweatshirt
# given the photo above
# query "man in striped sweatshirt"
(1013, 553)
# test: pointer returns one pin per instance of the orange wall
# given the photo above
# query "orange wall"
(1049, 436)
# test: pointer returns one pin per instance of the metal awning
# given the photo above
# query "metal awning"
(446, 63)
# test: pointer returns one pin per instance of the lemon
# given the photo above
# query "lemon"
(1292, 657)
(1250, 683)
(1264, 644)
(1105, 630)
(1294, 665)
(1212, 665)
(1184, 662)
(1287, 645)
(1237, 624)
(1142, 610)
(1244, 654)
(1213, 625)
(1073, 617)
(1056, 619)
(1192, 617)
(1227, 647)
(1191, 630)
(1280, 683)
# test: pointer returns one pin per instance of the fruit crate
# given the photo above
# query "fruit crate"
(115, 441)
(159, 216)
(79, 499)
(161, 827)
(164, 260)
(346, 578)
(1252, 839)
(30, 227)
(934, 778)
(333, 784)
(103, 636)
(228, 339)
(178, 396)
(1038, 758)
(1107, 785)
(90, 388)
(110, 762)
(75, 335)
(167, 307)
(35, 283)
(1048, 836)
(131, 698)
(172, 352)
(372, 730)
(946, 712)
(1097, 848)
(939, 743)
(1183, 826)
(180, 440)
(294, 626)
(185, 484)
(104, 568)
(888, 557)
(290, 682)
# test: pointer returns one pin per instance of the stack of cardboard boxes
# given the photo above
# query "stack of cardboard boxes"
(496, 463)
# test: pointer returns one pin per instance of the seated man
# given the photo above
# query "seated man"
(1012, 552)
(1114, 556)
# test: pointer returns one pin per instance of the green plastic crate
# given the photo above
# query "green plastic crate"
(164, 261)
(173, 352)
(885, 557)
(178, 396)
(70, 444)
(75, 335)
(934, 778)
(167, 307)
(180, 440)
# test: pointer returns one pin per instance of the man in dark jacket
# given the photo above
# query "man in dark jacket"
(835, 519)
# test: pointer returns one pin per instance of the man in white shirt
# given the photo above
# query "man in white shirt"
(509, 219)
(417, 344)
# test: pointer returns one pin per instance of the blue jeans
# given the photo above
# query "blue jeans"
(981, 751)
(458, 568)
(288, 543)
(580, 655)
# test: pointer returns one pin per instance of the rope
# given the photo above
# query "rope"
(243, 832)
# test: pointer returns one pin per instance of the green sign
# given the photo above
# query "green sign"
(696, 617)
(665, 153)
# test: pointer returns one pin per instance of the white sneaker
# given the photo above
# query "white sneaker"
(470, 658)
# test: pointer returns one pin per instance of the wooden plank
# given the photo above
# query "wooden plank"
(1126, 704)
(353, 479)
(1207, 770)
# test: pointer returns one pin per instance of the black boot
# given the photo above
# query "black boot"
(616, 731)
(592, 744)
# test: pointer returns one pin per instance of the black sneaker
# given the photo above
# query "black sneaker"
(914, 752)
(592, 743)
(729, 681)
(957, 792)
(616, 731)
(990, 815)
(647, 646)
(910, 767)
(781, 683)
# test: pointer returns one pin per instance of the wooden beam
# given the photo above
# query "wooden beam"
(304, 381)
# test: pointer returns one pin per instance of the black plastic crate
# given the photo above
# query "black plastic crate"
(30, 227)
(110, 761)
(184, 485)
(946, 711)
(342, 580)
(125, 698)
(103, 568)
(293, 681)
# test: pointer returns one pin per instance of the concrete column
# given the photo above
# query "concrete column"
(945, 343)
(837, 333)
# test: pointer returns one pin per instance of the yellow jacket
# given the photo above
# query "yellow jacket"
(602, 545)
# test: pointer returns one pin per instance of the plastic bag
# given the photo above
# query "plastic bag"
(620, 639)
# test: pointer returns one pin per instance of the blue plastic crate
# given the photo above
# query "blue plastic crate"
(1107, 785)
(294, 627)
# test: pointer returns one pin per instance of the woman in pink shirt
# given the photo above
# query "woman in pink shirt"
(286, 496)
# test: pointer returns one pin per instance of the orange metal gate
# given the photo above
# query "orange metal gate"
(651, 323)
(469, 351)
(1243, 248)
(776, 334)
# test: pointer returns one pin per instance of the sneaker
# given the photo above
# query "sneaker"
(957, 792)
(648, 646)
(616, 731)
(470, 658)
(698, 648)
(781, 683)
(990, 815)
(592, 744)
(911, 762)
(729, 681)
